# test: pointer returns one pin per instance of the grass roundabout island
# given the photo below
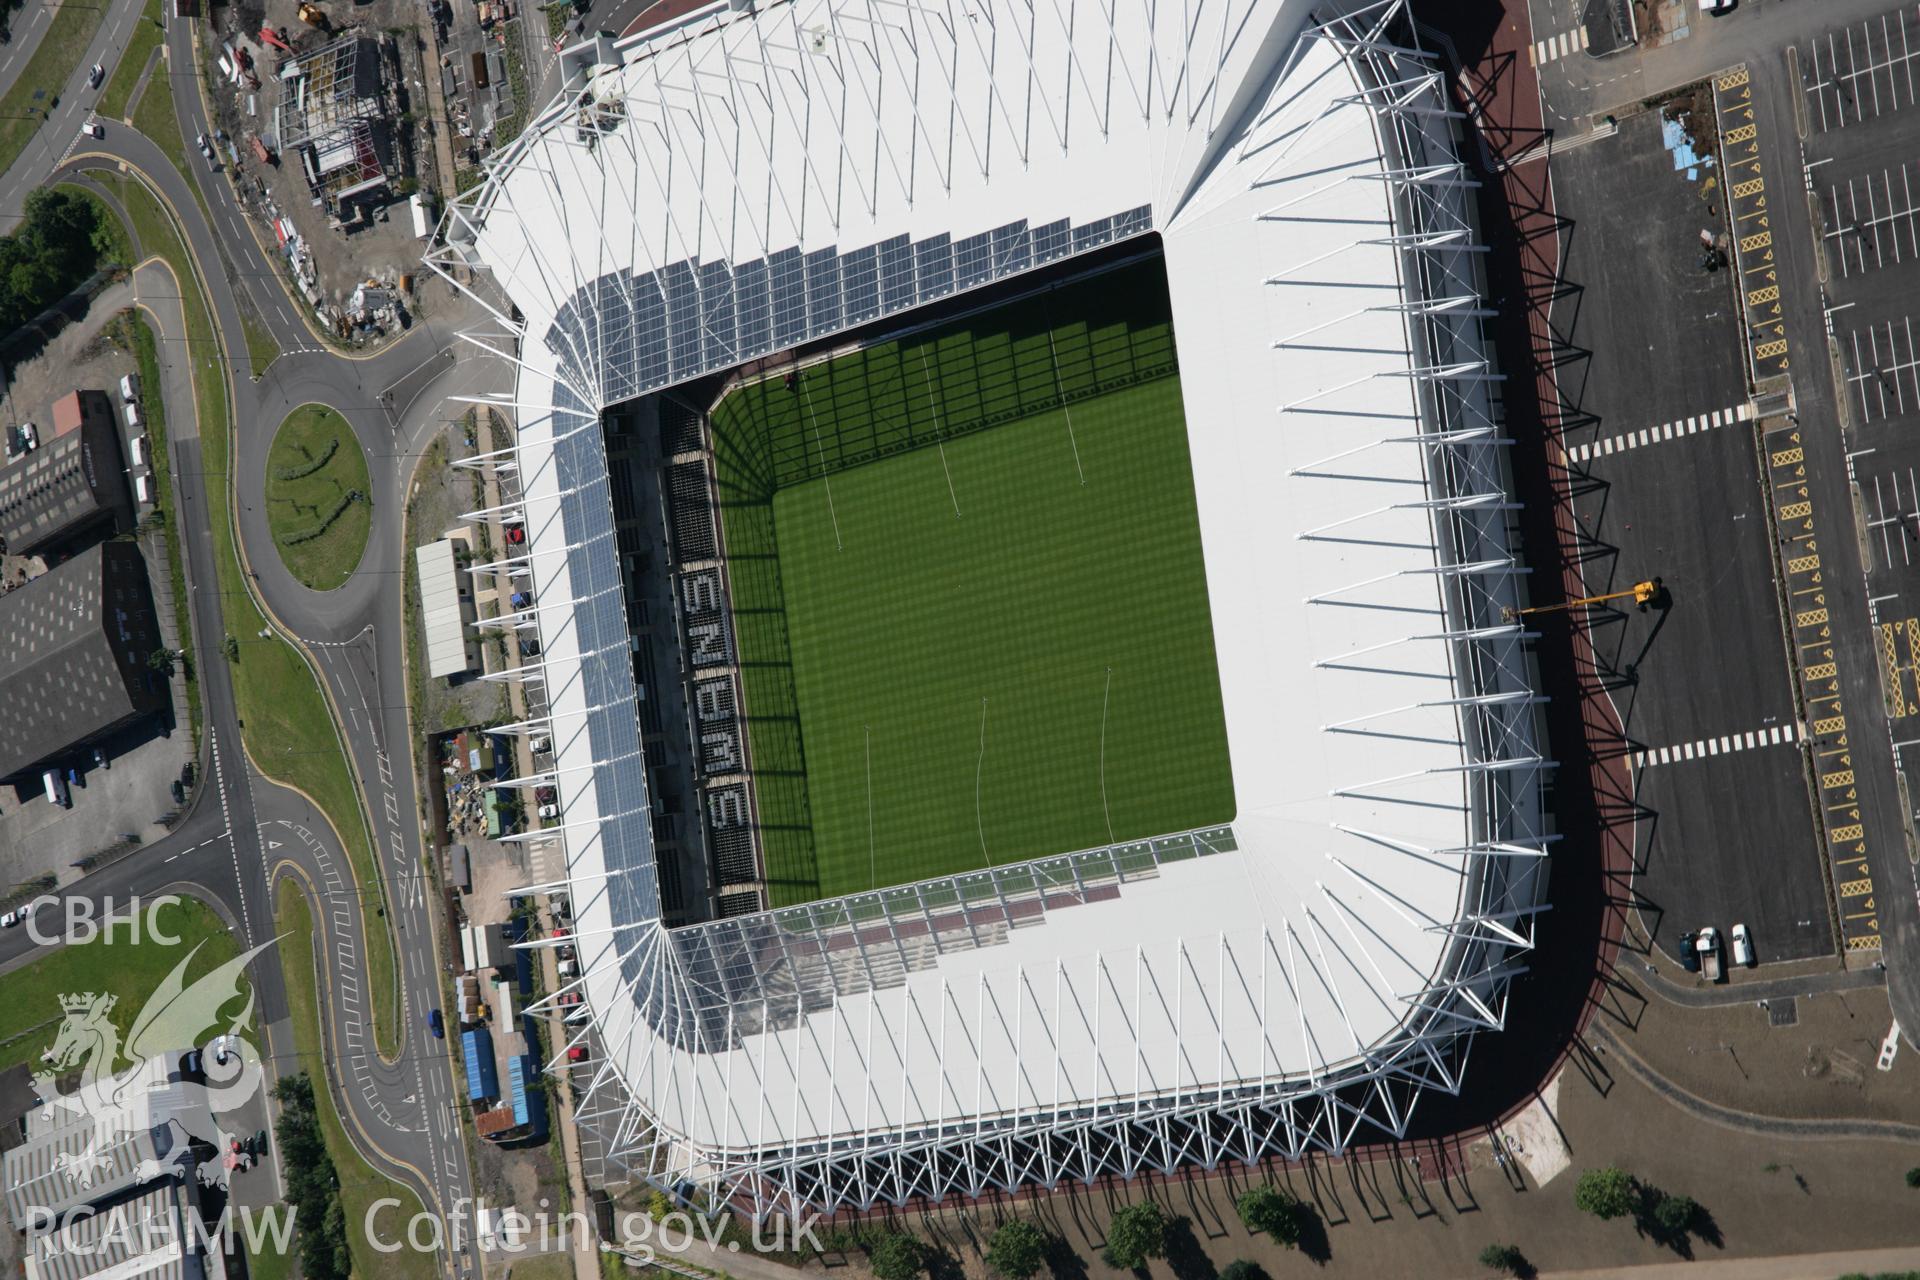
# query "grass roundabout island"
(319, 501)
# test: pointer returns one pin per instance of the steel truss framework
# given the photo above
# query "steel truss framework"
(708, 989)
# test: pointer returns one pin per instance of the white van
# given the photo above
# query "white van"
(56, 784)
(133, 415)
(130, 387)
(137, 450)
(143, 487)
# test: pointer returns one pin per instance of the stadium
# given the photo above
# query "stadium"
(1018, 536)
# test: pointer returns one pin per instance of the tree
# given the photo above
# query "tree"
(1278, 1213)
(1505, 1258)
(1137, 1232)
(1605, 1193)
(1913, 1177)
(161, 660)
(1674, 1214)
(1018, 1249)
(1242, 1269)
(896, 1256)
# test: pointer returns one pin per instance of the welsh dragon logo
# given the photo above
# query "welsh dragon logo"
(140, 1083)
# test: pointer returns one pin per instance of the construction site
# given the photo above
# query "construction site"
(321, 138)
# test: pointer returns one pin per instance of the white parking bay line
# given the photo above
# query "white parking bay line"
(1753, 739)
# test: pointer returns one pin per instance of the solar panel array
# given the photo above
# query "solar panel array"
(624, 335)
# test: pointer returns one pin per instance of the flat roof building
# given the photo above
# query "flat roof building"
(74, 667)
(73, 483)
(443, 595)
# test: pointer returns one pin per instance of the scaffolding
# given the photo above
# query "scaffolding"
(333, 114)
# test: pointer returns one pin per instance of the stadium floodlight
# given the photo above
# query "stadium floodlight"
(1292, 978)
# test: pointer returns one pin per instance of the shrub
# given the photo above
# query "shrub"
(301, 470)
(895, 1255)
(1018, 1249)
(1266, 1208)
(1137, 1232)
(1242, 1270)
(293, 537)
(1503, 1257)
(1913, 1177)
(1605, 1193)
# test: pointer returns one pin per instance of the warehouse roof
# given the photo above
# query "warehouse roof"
(440, 608)
(74, 479)
(77, 641)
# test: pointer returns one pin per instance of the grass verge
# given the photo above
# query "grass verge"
(24, 105)
(287, 724)
(131, 971)
(147, 34)
(360, 1183)
(317, 503)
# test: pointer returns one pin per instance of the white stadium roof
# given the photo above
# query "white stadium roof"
(747, 181)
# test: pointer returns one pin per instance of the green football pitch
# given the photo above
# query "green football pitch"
(971, 607)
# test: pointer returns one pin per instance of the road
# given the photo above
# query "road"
(1865, 827)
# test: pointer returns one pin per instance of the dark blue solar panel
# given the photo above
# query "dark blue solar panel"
(933, 264)
(896, 273)
(753, 308)
(788, 285)
(716, 315)
(1012, 250)
(973, 260)
(823, 293)
(860, 284)
(683, 321)
(1052, 240)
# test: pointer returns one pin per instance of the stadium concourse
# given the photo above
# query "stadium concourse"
(1312, 939)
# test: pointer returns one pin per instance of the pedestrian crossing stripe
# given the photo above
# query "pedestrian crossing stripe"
(1772, 735)
(1688, 426)
(1543, 51)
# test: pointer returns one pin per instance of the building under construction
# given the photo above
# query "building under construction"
(334, 114)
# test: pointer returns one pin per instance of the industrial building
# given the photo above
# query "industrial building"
(75, 665)
(445, 606)
(73, 484)
(1294, 981)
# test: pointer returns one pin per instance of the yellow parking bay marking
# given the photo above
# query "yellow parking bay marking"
(1817, 672)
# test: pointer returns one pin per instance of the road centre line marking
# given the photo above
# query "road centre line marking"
(1665, 431)
(1699, 749)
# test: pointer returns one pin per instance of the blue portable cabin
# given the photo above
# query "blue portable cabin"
(483, 1079)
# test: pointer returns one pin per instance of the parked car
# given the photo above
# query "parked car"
(577, 1054)
(1688, 956)
(74, 779)
(540, 744)
(529, 648)
(549, 811)
(179, 793)
(436, 1024)
(1742, 947)
(545, 795)
(95, 76)
(516, 535)
(30, 434)
(9, 920)
(100, 759)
